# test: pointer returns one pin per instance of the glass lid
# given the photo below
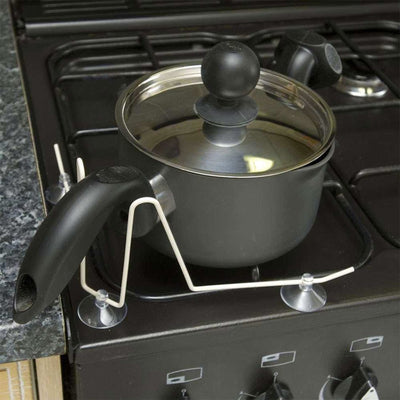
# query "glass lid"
(280, 126)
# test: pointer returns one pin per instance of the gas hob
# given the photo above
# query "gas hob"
(229, 345)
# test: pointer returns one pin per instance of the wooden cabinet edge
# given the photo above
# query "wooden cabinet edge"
(48, 378)
(17, 380)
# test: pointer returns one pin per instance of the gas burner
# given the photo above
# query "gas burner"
(358, 81)
(370, 87)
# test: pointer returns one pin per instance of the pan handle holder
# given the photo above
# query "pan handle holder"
(306, 287)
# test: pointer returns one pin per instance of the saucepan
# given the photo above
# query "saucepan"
(235, 155)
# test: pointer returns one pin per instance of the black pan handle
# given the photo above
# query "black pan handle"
(65, 236)
(308, 58)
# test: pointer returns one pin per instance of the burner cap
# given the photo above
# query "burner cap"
(358, 81)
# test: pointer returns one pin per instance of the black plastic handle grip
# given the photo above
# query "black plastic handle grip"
(308, 58)
(65, 236)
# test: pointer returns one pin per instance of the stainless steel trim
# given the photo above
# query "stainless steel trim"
(163, 194)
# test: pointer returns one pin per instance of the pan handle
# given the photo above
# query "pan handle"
(65, 236)
(307, 57)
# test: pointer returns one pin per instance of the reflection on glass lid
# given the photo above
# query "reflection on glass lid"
(293, 126)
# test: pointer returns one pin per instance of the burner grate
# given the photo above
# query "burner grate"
(89, 74)
(372, 171)
(123, 59)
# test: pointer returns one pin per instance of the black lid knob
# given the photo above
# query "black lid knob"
(230, 70)
(308, 58)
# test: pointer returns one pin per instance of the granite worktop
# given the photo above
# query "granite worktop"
(20, 214)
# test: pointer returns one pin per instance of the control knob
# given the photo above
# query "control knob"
(359, 386)
(184, 395)
(277, 391)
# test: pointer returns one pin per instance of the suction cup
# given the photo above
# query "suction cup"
(96, 313)
(306, 297)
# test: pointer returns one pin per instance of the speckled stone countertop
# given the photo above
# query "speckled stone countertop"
(20, 213)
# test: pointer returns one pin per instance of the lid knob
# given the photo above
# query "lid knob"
(308, 58)
(230, 71)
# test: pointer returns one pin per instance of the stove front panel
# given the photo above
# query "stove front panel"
(236, 362)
